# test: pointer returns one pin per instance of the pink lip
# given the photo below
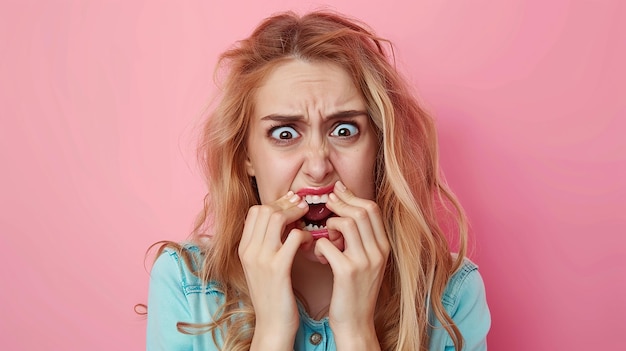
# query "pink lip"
(321, 233)
(315, 191)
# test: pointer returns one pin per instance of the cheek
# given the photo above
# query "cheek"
(356, 171)
(274, 176)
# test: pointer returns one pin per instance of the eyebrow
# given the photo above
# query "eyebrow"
(295, 118)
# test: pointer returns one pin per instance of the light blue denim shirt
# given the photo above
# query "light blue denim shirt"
(177, 295)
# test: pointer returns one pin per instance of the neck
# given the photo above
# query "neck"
(313, 282)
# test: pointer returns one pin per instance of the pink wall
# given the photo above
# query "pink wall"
(99, 101)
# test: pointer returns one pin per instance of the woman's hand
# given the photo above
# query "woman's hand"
(358, 270)
(267, 258)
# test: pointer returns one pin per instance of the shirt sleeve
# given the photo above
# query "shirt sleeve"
(167, 305)
(472, 315)
(466, 303)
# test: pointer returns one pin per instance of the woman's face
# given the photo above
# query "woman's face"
(309, 129)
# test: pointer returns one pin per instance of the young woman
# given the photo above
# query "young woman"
(321, 227)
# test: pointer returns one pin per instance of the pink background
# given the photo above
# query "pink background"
(100, 100)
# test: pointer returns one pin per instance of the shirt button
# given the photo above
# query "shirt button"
(315, 338)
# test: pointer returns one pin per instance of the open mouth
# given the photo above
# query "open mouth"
(314, 221)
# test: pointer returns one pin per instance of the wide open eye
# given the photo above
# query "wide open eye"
(283, 133)
(345, 130)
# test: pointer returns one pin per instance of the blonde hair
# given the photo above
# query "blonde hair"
(410, 189)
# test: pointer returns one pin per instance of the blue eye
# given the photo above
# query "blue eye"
(284, 133)
(345, 130)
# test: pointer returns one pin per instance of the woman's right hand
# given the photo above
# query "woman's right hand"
(267, 258)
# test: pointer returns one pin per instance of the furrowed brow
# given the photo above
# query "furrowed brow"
(295, 118)
(282, 118)
(347, 114)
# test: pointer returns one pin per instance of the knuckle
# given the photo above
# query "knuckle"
(333, 220)
(351, 224)
(346, 223)
(385, 248)
(361, 266)
(245, 258)
(278, 217)
(354, 268)
(241, 249)
(371, 207)
(266, 210)
(379, 260)
(254, 210)
(360, 213)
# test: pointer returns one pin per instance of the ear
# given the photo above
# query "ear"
(249, 167)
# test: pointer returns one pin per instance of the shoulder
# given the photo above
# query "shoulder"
(466, 279)
(181, 267)
(465, 302)
(177, 294)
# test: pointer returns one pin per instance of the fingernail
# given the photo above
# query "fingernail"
(302, 204)
(339, 185)
(332, 197)
(294, 198)
(289, 194)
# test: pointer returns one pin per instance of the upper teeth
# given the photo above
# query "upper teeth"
(316, 199)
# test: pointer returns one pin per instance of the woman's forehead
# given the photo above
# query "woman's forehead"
(298, 85)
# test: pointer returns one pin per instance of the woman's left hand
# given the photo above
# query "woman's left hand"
(358, 270)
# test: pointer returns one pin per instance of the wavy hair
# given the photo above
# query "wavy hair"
(410, 189)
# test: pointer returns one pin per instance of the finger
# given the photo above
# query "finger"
(288, 201)
(336, 238)
(327, 253)
(371, 208)
(294, 240)
(350, 231)
(271, 219)
(248, 229)
(358, 230)
(287, 213)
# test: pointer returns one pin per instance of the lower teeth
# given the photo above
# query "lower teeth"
(312, 227)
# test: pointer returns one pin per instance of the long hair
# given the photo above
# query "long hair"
(410, 189)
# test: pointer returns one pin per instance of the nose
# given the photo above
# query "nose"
(317, 165)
